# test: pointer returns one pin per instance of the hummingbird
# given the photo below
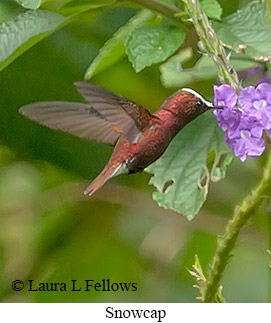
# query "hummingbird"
(138, 136)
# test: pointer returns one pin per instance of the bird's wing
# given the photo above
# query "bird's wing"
(130, 118)
(79, 119)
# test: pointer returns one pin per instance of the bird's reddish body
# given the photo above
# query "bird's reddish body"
(149, 147)
(168, 121)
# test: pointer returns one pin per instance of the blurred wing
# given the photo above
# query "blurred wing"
(76, 118)
(130, 118)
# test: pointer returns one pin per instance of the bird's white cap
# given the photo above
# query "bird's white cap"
(209, 104)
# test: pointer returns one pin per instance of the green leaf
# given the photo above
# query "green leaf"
(172, 73)
(196, 155)
(211, 8)
(114, 49)
(21, 33)
(30, 4)
(247, 31)
(148, 45)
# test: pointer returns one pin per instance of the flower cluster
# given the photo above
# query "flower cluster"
(244, 129)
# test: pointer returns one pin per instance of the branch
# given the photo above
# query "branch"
(228, 241)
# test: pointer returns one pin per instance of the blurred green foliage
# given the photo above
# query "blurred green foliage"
(50, 232)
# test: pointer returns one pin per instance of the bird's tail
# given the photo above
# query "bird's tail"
(107, 173)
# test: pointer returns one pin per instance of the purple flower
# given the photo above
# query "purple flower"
(246, 139)
(229, 117)
(244, 130)
(256, 103)
(225, 95)
(248, 145)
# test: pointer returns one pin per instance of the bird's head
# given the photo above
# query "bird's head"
(188, 104)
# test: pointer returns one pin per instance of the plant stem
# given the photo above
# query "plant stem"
(227, 242)
(212, 45)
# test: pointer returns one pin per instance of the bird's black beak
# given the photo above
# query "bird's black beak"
(214, 107)
(210, 106)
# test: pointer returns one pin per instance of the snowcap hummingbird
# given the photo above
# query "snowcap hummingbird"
(139, 136)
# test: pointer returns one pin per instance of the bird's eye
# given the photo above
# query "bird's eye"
(199, 104)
